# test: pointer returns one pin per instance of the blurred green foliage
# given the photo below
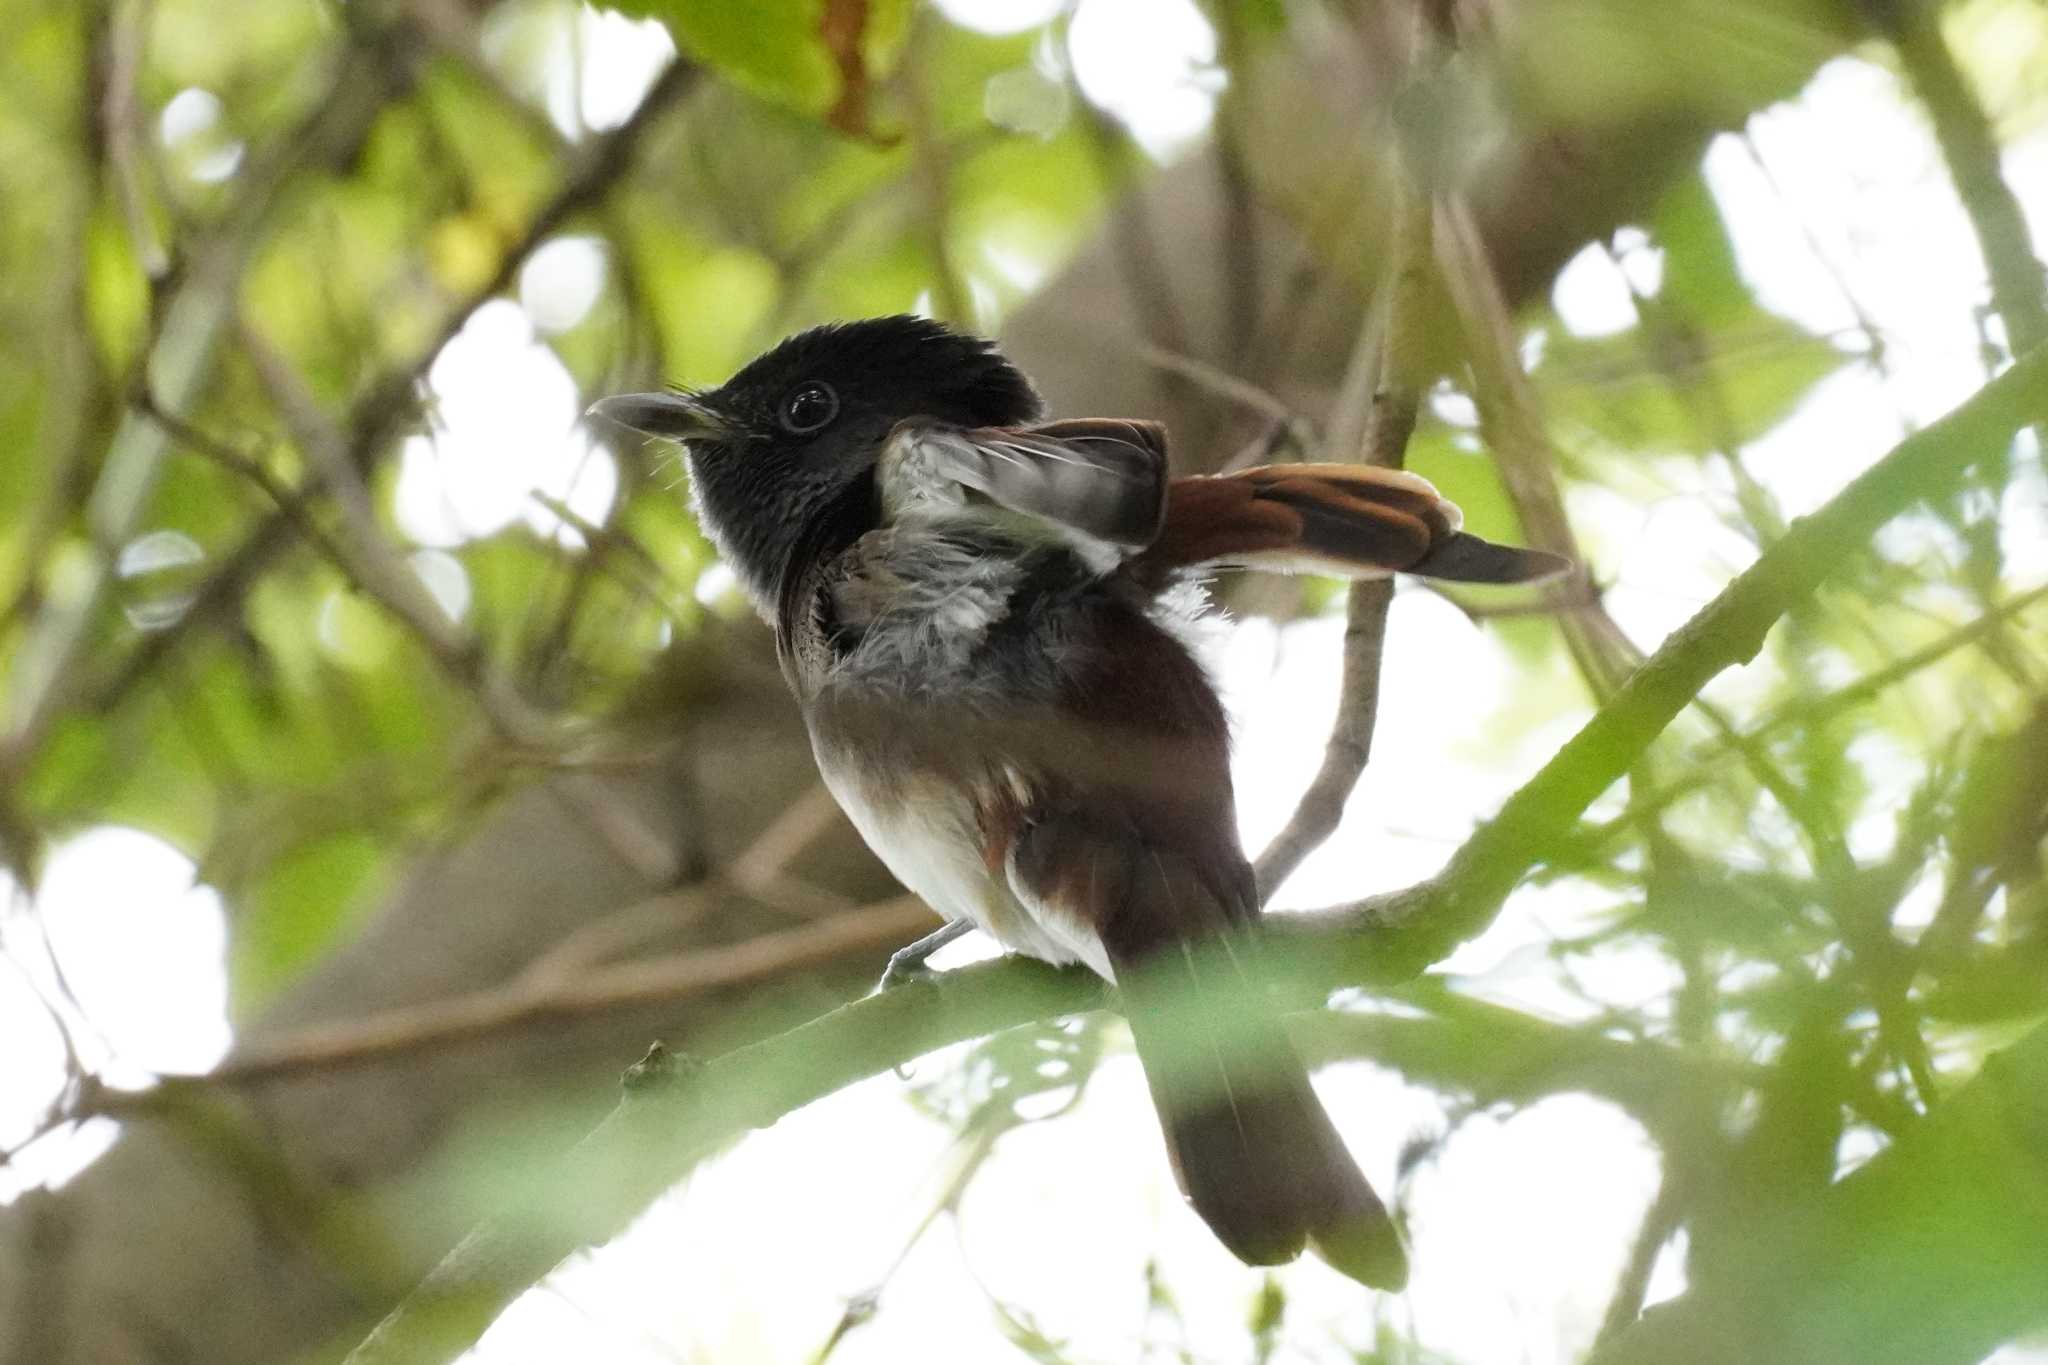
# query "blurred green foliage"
(1835, 863)
(235, 742)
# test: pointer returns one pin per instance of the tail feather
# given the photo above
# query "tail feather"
(1464, 558)
(1251, 1146)
(1351, 521)
(1172, 902)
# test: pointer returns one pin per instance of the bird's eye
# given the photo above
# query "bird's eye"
(809, 407)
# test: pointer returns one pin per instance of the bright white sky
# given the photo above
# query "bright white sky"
(1520, 1224)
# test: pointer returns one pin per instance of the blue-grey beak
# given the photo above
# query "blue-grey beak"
(674, 416)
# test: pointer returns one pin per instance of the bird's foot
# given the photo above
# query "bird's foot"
(907, 964)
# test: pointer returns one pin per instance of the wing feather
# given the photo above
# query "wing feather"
(1102, 477)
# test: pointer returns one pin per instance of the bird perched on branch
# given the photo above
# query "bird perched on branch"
(986, 621)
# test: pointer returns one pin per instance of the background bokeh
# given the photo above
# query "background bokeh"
(387, 758)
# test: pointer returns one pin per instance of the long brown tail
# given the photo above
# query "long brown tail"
(1353, 521)
(1252, 1148)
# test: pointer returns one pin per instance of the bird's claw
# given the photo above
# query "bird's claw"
(898, 974)
(907, 964)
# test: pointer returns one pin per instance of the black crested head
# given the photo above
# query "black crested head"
(901, 365)
(782, 455)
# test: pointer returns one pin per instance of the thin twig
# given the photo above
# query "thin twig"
(1511, 422)
(386, 402)
(2019, 286)
(1321, 807)
(247, 465)
(1813, 711)
(1238, 390)
(1877, 356)
(611, 934)
(1875, 952)
(1682, 356)
(606, 813)
(373, 566)
(540, 998)
(971, 1153)
(189, 324)
(612, 544)
(1388, 394)
(122, 126)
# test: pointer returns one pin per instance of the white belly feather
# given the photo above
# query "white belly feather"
(926, 834)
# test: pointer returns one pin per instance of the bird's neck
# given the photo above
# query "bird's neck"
(949, 610)
(771, 536)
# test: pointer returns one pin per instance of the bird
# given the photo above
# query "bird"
(991, 623)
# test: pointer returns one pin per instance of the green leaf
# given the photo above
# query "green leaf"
(1467, 476)
(1610, 60)
(1701, 278)
(124, 770)
(954, 70)
(864, 278)
(1706, 368)
(299, 907)
(694, 283)
(815, 55)
(1692, 391)
(117, 294)
(218, 44)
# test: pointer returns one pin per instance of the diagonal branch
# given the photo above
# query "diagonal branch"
(1969, 146)
(1425, 922)
(1321, 807)
(2019, 286)
(1512, 425)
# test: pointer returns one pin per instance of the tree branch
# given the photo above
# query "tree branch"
(660, 1131)
(1812, 710)
(1321, 807)
(2019, 290)
(2019, 287)
(1511, 423)
(1423, 923)
(548, 996)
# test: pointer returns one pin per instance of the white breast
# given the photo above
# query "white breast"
(925, 832)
